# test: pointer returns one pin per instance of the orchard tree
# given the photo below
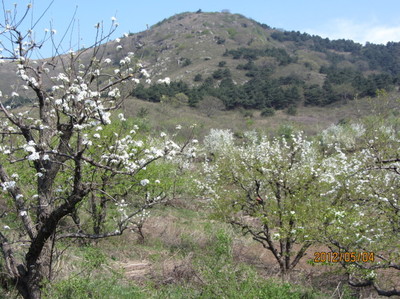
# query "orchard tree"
(56, 161)
(364, 232)
(339, 189)
(272, 189)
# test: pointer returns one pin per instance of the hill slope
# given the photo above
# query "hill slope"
(244, 63)
(247, 64)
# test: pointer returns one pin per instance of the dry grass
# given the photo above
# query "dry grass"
(165, 117)
(175, 238)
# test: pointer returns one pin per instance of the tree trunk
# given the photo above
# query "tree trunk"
(29, 281)
(28, 285)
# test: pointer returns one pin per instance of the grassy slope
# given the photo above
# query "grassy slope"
(309, 119)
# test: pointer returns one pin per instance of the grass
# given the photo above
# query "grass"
(207, 275)
(111, 288)
(164, 117)
(184, 255)
(81, 288)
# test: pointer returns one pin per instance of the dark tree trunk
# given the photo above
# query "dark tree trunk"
(28, 284)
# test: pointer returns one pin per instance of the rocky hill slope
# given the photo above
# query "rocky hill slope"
(251, 65)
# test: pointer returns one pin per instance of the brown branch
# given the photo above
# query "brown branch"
(116, 82)
(380, 291)
(81, 235)
(300, 253)
(390, 160)
(123, 225)
(115, 170)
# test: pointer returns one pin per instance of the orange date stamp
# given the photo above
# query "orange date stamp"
(347, 257)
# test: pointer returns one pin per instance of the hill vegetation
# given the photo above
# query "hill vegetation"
(247, 64)
(251, 65)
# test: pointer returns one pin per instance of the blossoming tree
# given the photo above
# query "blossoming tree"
(270, 188)
(57, 163)
(339, 189)
(365, 226)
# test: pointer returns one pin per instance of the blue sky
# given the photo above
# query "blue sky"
(359, 20)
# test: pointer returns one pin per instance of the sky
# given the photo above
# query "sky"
(359, 20)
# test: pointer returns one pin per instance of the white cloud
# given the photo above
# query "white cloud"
(358, 32)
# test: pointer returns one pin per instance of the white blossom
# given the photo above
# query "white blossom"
(8, 185)
(144, 73)
(34, 156)
(144, 182)
(218, 140)
(166, 80)
(121, 117)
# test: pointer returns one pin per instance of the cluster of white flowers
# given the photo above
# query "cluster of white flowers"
(21, 73)
(166, 80)
(140, 218)
(132, 154)
(121, 207)
(30, 148)
(8, 185)
(144, 73)
(114, 93)
(346, 135)
(218, 141)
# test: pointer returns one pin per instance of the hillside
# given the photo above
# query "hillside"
(250, 65)
(233, 61)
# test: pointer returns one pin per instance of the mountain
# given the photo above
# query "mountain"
(247, 64)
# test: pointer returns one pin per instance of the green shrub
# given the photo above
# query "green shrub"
(198, 78)
(221, 63)
(222, 277)
(142, 112)
(291, 110)
(186, 62)
(267, 112)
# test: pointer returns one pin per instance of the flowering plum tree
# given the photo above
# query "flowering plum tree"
(290, 194)
(366, 225)
(270, 188)
(57, 162)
